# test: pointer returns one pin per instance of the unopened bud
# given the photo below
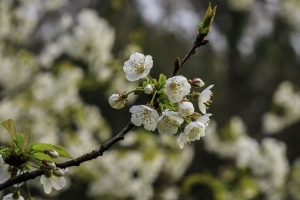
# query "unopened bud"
(51, 153)
(196, 83)
(16, 195)
(49, 164)
(117, 101)
(148, 89)
(58, 172)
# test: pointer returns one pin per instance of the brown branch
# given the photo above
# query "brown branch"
(76, 162)
(197, 43)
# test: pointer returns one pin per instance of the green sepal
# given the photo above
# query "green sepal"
(5, 152)
(205, 25)
(40, 147)
(144, 84)
(10, 127)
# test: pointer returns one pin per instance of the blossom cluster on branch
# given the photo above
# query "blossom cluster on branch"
(170, 106)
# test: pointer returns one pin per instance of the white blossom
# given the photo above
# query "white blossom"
(114, 101)
(138, 66)
(185, 108)
(176, 88)
(193, 131)
(53, 181)
(169, 122)
(4, 173)
(144, 115)
(148, 89)
(10, 197)
(204, 98)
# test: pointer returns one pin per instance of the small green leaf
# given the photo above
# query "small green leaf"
(25, 139)
(162, 80)
(205, 25)
(144, 83)
(10, 126)
(40, 147)
(20, 139)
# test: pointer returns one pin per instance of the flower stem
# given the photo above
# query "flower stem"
(28, 191)
(148, 76)
(151, 102)
(136, 90)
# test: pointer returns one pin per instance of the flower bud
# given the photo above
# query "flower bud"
(117, 101)
(185, 108)
(58, 172)
(16, 195)
(49, 164)
(196, 83)
(148, 89)
(51, 153)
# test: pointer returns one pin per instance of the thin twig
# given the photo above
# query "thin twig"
(197, 43)
(76, 162)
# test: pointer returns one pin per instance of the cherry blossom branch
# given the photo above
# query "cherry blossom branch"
(76, 162)
(199, 41)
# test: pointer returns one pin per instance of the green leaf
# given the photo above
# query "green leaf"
(22, 139)
(205, 25)
(10, 126)
(161, 81)
(42, 156)
(40, 147)
(25, 139)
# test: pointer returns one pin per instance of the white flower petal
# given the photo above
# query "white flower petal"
(4, 173)
(46, 184)
(204, 119)
(203, 98)
(10, 197)
(202, 107)
(182, 140)
(57, 182)
(148, 62)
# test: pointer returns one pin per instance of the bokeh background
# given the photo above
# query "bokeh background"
(60, 60)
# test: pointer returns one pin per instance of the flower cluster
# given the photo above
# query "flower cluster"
(169, 109)
(53, 176)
